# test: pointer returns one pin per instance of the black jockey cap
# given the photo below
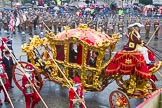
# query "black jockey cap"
(7, 52)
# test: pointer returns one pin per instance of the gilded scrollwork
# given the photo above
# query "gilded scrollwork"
(134, 85)
(82, 36)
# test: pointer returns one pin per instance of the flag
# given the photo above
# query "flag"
(12, 23)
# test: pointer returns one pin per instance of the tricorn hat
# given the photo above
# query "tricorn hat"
(136, 25)
(4, 39)
(29, 68)
(77, 79)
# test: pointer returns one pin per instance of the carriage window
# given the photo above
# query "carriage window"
(75, 53)
(89, 76)
(60, 52)
(103, 79)
(107, 56)
(74, 72)
(92, 58)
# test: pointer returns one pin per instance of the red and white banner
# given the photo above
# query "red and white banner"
(12, 23)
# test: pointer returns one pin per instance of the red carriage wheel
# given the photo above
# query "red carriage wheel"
(17, 74)
(118, 99)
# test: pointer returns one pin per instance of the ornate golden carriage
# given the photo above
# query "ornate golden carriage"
(87, 53)
(59, 47)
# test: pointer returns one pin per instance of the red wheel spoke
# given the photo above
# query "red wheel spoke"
(23, 65)
(19, 80)
(37, 82)
(115, 95)
(19, 70)
(18, 74)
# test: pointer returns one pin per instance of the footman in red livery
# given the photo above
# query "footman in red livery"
(31, 96)
(5, 81)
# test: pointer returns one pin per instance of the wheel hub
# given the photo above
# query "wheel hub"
(119, 102)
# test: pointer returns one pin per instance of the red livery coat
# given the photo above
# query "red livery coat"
(6, 84)
(72, 95)
(33, 98)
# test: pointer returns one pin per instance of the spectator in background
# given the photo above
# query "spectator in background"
(15, 13)
(93, 12)
(5, 22)
(36, 22)
(1, 22)
(61, 11)
(160, 10)
(40, 2)
(105, 10)
(127, 10)
(33, 2)
(9, 44)
(120, 12)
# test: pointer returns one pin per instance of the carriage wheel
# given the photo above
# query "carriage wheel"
(118, 99)
(17, 74)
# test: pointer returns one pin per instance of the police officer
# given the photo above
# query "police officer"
(147, 28)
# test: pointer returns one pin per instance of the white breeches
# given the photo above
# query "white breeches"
(144, 51)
